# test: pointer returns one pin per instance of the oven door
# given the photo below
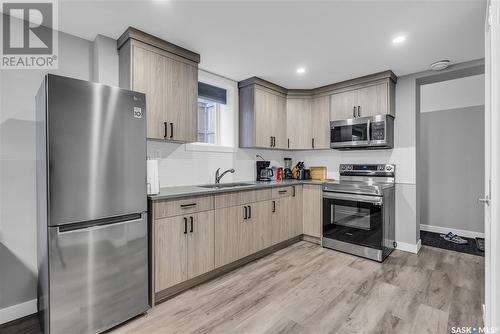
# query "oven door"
(353, 218)
(350, 133)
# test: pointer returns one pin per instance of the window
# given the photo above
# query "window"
(210, 100)
(217, 114)
(208, 121)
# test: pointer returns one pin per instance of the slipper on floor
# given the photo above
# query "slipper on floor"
(449, 235)
(457, 240)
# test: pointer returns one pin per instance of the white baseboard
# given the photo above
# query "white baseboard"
(406, 247)
(445, 230)
(17, 311)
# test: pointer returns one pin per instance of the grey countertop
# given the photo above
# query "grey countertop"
(185, 191)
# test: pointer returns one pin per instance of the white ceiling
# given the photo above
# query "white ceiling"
(333, 40)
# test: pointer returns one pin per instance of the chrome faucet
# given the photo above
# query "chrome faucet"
(219, 177)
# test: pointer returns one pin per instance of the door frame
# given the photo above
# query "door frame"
(492, 164)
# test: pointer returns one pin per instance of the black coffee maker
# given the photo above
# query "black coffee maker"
(262, 166)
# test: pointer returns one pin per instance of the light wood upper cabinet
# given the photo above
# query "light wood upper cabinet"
(308, 122)
(364, 100)
(168, 75)
(265, 108)
(373, 100)
(312, 210)
(343, 105)
(148, 78)
(320, 122)
(274, 117)
(270, 119)
(299, 123)
(262, 117)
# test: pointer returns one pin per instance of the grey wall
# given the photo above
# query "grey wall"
(18, 171)
(450, 139)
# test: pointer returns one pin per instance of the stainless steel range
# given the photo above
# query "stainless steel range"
(358, 211)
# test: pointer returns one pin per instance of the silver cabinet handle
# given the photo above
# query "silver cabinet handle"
(354, 111)
(359, 111)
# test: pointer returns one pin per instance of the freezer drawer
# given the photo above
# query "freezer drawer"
(98, 274)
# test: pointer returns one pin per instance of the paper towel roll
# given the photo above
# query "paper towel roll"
(153, 180)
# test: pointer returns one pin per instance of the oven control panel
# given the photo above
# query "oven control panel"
(367, 169)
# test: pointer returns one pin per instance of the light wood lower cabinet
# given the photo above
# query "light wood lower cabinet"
(201, 243)
(260, 226)
(228, 228)
(282, 222)
(286, 208)
(170, 252)
(195, 242)
(312, 210)
(183, 248)
(241, 230)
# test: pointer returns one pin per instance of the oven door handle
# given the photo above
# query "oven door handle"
(353, 197)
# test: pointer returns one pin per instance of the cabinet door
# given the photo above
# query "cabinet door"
(201, 244)
(320, 122)
(149, 78)
(282, 222)
(342, 105)
(170, 252)
(279, 122)
(182, 100)
(373, 100)
(297, 208)
(264, 103)
(299, 129)
(312, 206)
(228, 223)
(260, 226)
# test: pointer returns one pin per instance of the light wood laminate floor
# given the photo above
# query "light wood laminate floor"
(308, 289)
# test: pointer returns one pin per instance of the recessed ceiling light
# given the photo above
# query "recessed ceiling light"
(301, 70)
(399, 39)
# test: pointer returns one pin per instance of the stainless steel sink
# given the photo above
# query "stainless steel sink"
(226, 185)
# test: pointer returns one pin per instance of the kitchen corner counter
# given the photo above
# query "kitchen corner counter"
(187, 191)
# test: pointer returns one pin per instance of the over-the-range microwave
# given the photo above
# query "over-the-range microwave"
(374, 132)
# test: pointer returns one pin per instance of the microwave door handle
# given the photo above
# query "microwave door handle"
(368, 131)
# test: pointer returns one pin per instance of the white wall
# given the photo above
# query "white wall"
(18, 261)
(453, 94)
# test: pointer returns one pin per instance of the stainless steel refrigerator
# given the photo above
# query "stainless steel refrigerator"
(92, 205)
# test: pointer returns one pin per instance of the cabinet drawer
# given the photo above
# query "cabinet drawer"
(241, 198)
(182, 206)
(283, 192)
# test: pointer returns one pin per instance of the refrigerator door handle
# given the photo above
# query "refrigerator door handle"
(99, 223)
